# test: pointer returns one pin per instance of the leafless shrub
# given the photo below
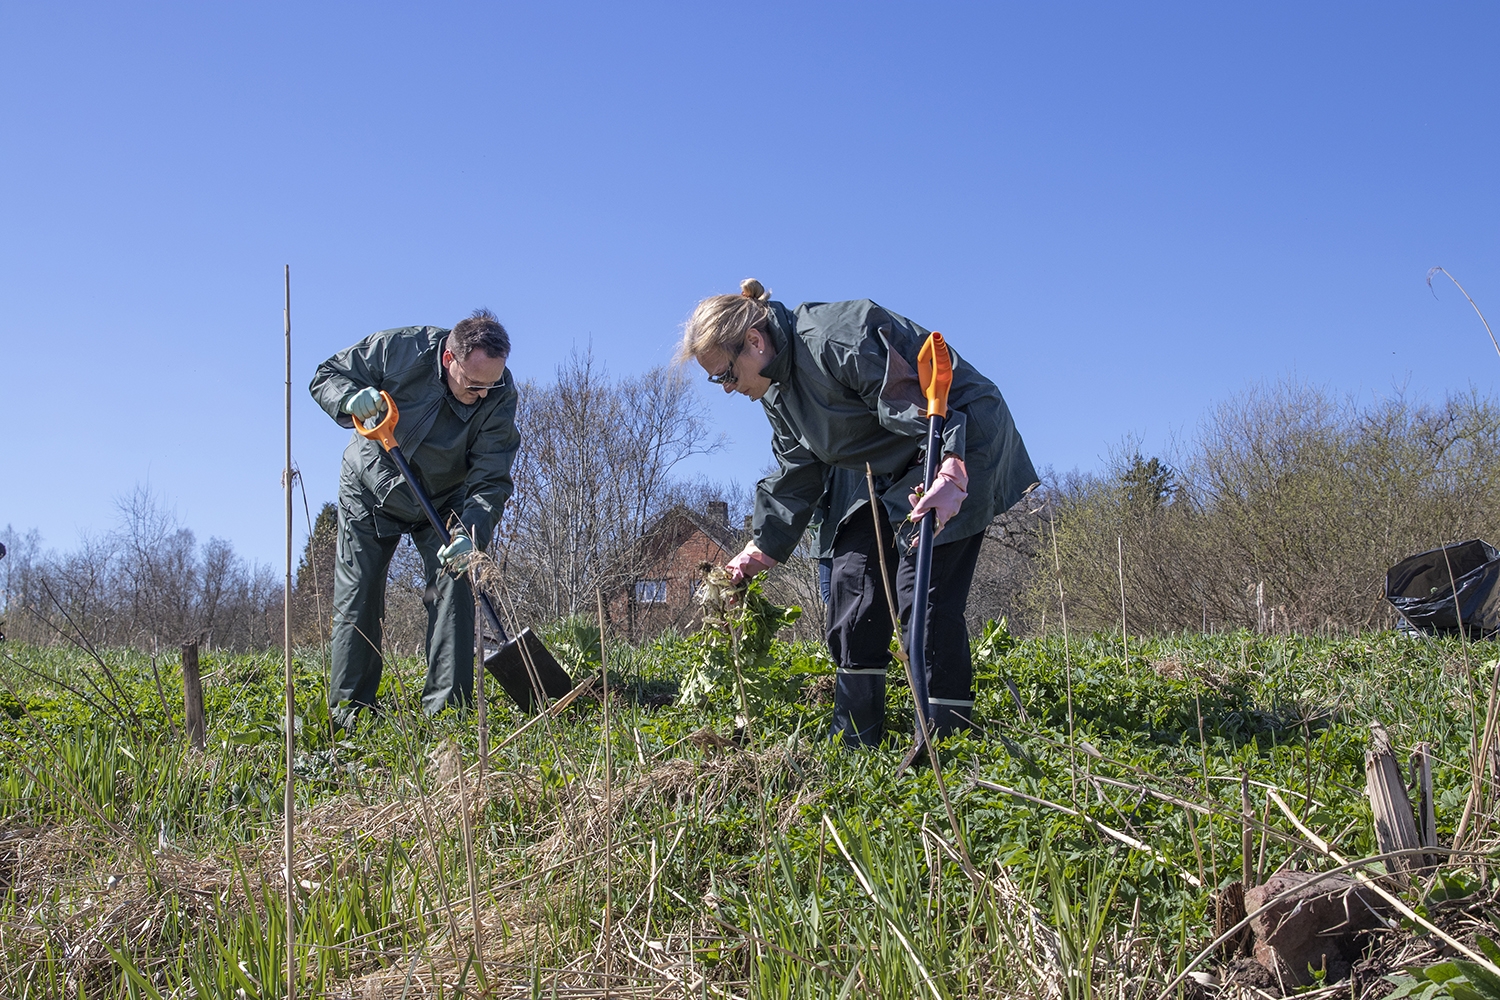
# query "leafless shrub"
(148, 583)
(405, 627)
(596, 466)
(795, 581)
(1284, 514)
(1006, 569)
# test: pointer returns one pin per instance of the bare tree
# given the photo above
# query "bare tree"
(595, 467)
(159, 571)
(148, 583)
(1289, 507)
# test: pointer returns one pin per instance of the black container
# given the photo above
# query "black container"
(1436, 590)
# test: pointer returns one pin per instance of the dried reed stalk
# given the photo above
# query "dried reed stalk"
(466, 825)
(609, 824)
(290, 792)
(1098, 827)
(1466, 295)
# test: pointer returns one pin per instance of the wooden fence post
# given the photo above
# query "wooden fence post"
(192, 695)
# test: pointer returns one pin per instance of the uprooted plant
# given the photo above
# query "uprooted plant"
(732, 651)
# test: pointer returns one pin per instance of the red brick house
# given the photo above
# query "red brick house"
(664, 570)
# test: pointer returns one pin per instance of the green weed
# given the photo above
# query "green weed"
(131, 866)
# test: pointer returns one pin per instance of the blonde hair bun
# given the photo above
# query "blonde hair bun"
(720, 322)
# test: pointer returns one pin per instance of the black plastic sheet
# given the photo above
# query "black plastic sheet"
(1437, 590)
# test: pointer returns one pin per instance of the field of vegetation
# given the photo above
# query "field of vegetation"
(716, 844)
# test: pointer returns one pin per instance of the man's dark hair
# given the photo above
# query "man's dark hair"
(480, 330)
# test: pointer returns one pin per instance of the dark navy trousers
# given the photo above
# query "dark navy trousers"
(859, 627)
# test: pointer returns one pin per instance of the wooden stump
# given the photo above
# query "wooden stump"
(192, 696)
(1395, 827)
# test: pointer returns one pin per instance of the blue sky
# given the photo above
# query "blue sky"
(1122, 213)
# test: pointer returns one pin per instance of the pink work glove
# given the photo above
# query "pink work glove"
(948, 492)
(748, 563)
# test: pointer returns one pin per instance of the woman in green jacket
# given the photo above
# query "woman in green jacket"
(838, 382)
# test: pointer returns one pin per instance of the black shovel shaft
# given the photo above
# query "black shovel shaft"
(427, 508)
(917, 650)
(437, 523)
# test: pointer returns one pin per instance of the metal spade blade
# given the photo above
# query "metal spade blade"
(524, 666)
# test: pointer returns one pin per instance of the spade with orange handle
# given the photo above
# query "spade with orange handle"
(935, 370)
(525, 668)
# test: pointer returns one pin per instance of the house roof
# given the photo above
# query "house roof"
(721, 533)
(669, 531)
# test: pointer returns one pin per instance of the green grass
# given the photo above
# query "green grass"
(130, 867)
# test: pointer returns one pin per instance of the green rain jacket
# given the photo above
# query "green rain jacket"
(845, 392)
(460, 454)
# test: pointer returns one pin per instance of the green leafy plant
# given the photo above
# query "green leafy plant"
(733, 649)
(731, 878)
(1455, 978)
(575, 640)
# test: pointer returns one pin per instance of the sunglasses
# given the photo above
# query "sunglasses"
(727, 376)
(468, 385)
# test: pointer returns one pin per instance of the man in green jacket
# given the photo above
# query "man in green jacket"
(457, 429)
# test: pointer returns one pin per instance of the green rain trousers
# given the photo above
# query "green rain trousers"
(364, 556)
(461, 455)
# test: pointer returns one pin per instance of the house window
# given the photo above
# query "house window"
(651, 592)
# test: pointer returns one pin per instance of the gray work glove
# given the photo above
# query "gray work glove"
(454, 557)
(364, 404)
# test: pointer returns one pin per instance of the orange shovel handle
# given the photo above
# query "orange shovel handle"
(385, 431)
(935, 370)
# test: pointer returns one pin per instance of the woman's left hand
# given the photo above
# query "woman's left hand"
(949, 490)
(748, 563)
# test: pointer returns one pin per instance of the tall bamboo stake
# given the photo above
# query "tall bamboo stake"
(289, 813)
(1062, 603)
(479, 689)
(609, 816)
(1124, 642)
